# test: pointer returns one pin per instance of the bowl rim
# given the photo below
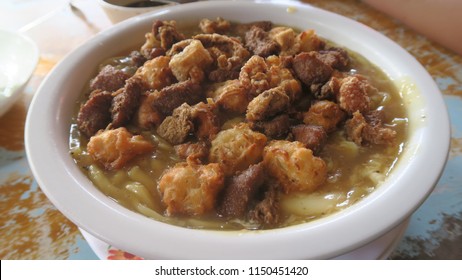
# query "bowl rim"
(315, 240)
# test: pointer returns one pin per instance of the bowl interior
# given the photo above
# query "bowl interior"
(49, 118)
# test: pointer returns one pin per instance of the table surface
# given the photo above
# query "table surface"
(32, 228)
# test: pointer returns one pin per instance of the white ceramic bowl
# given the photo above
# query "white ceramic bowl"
(18, 58)
(413, 178)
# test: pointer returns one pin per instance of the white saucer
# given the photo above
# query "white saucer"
(380, 248)
(19, 56)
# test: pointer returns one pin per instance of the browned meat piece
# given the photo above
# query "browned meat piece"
(156, 52)
(241, 29)
(206, 121)
(327, 91)
(219, 26)
(312, 136)
(354, 94)
(176, 128)
(109, 79)
(228, 56)
(375, 132)
(174, 95)
(95, 113)
(114, 148)
(310, 70)
(194, 151)
(126, 102)
(268, 104)
(137, 59)
(324, 113)
(276, 128)
(336, 58)
(240, 191)
(259, 42)
(266, 212)
(166, 33)
(369, 129)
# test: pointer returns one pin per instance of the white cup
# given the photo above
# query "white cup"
(118, 10)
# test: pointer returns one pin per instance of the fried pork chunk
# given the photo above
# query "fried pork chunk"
(237, 148)
(326, 114)
(260, 43)
(268, 104)
(259, 74)
(290, 43)
(166, 33)
(240, 191)
(189, 188)
(147, 116)
(156, 73)
(126, 102)
(294, 166)
(176, 128)
(219, 26)
(200, 119)
(109, 79)
(191, 62)
(231, 96)
(95, 113)
(310, 69)
(369, 128)
(354, 94)
(228, 54)
(114, 148)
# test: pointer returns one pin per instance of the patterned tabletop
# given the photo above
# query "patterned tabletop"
(32, 228)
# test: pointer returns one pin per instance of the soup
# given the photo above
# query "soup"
(222, 125)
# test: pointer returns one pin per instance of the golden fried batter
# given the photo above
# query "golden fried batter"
(114, 148)
(191, 189)
(237, 148)
(294, 166)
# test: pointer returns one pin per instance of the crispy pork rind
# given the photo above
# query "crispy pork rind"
(228, 56)
(166, 33)
(369, 129)
(114, 148)
(326, 114)
(231, 96)
(292, 43)
(218, 25)
(294, 166)
(354, 94)
(189, 188)
(191, 63)
(237, 148)
(259, 74)
(156, 73)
